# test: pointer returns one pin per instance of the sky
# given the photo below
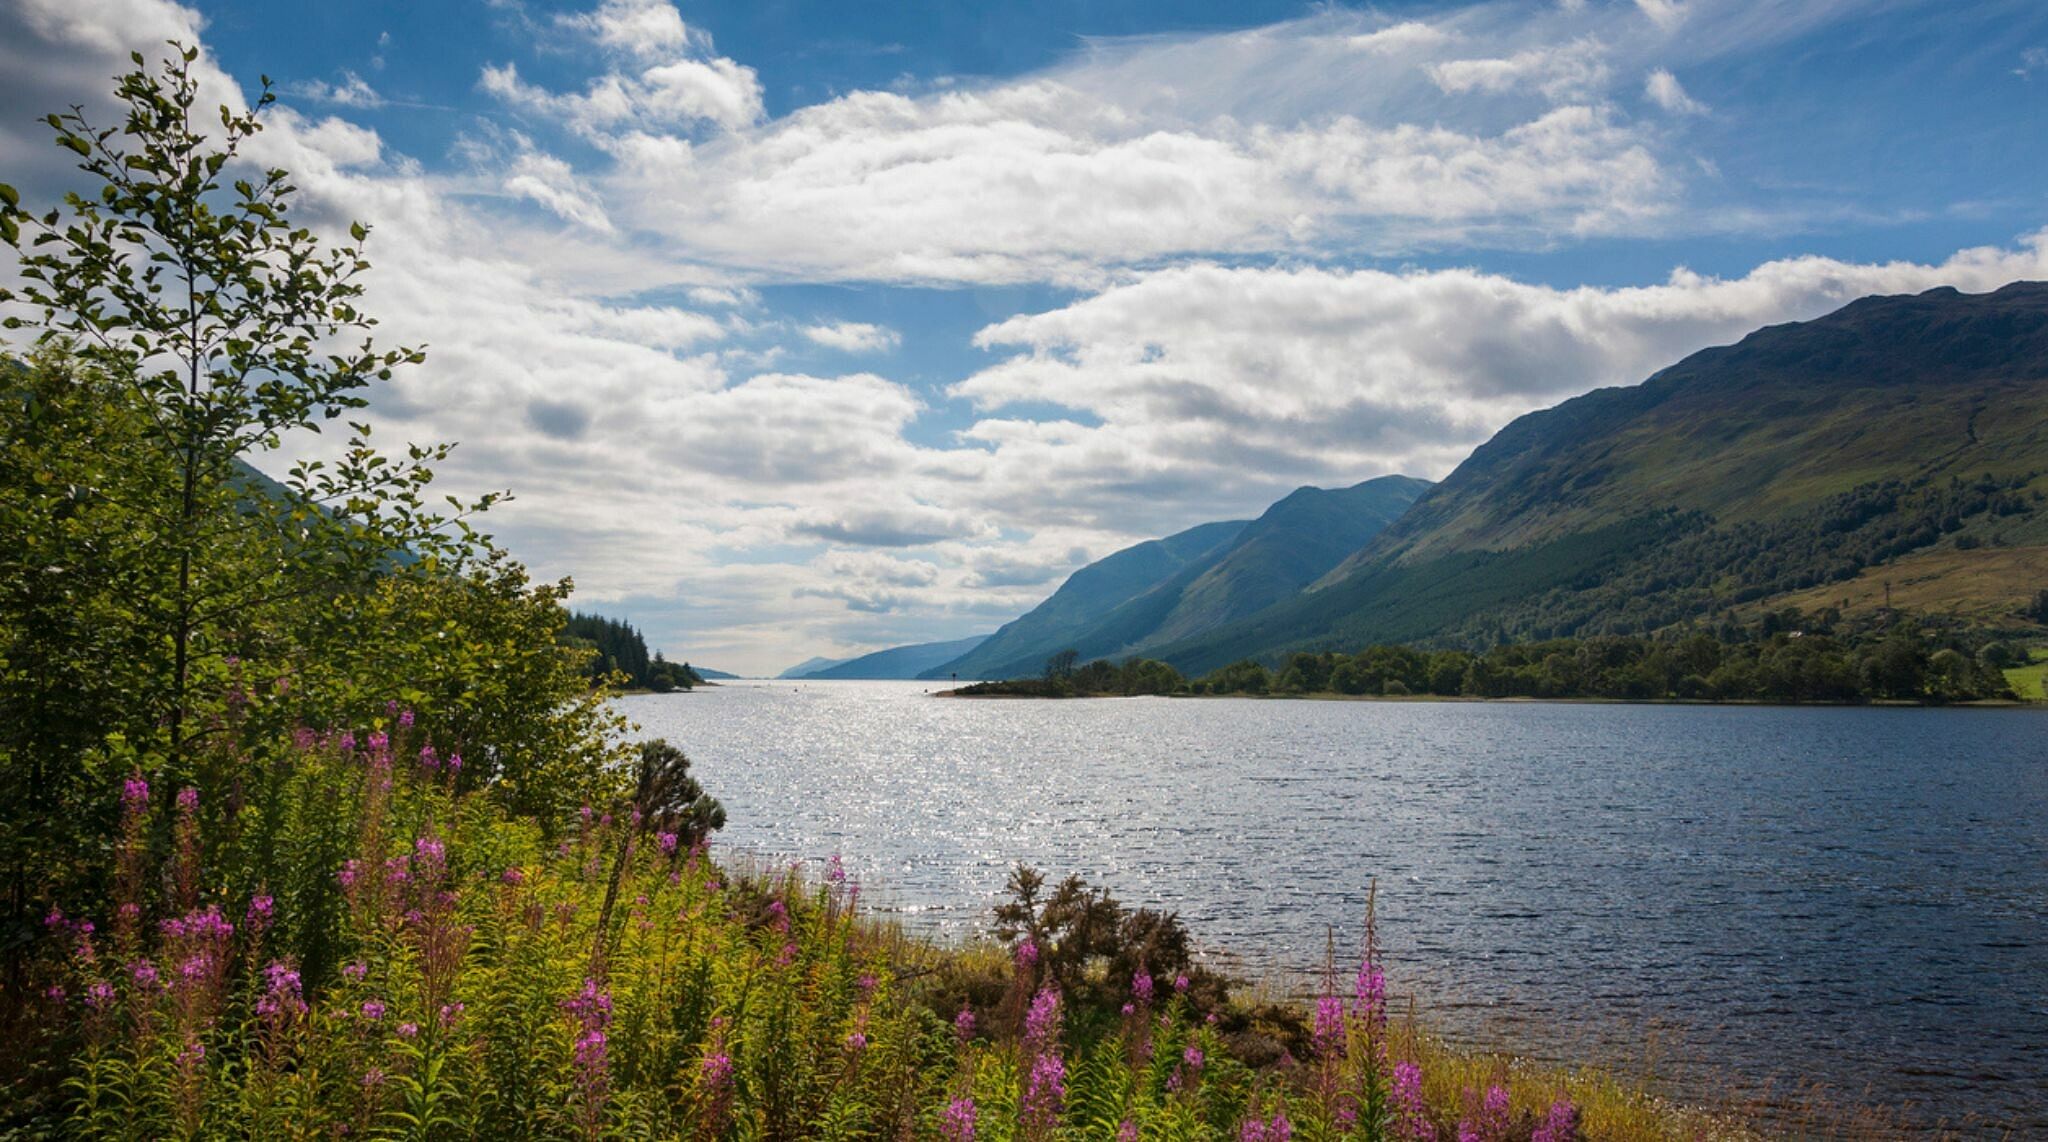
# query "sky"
(810, 328)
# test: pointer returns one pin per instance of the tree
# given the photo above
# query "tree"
(1061, 665)
(229, 327)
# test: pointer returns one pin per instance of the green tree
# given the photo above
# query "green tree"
(232, 327)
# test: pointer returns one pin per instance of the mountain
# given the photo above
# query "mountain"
(1896, 439)
(1184, 585)
(810, 664)
(711, 675)
(1087, 595)
(899, 661)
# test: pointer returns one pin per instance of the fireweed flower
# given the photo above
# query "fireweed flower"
(188, 800)
(1027, 956)
(408, 1030)
(1329, 1030)
(144, 974)
(1276, 1129)
(135, 793)
(667, 841)
(1486, 1117)
(261, 910)
(957, 1124)
(1141, 986)
(1045, 1092)
(373, 1009)
(356, 971)
(1411, 1112)
(1042, 1022)
(513, 876)
(1560, 1124)
(963, 1024)
(1127, 1131)
(1180, 982)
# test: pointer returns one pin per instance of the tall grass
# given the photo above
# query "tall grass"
(396, 960)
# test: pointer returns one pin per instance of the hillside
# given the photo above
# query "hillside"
(809, 665)
(898, 661)
(1255, 565)
(1086, 596)
(1805, 457)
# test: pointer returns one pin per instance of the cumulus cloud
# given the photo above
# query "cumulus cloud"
(853, 336)
(636, 27)
(681, 93)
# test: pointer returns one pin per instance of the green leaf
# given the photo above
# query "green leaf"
(357, 231)
(73, 142)
(10, 197)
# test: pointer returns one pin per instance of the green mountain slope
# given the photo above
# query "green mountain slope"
(1086, 596)
(1806, 455)
(1268, 560)
(899, 661)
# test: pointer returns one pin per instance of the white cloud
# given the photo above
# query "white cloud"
(636, 27)
(853, 336)
(352, 91)
(1399, 39)
(553, 184)
(1666, 14)
(1572, 70)
(1663, 89)
(680, 94)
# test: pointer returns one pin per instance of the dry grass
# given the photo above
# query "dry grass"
(1989, 584)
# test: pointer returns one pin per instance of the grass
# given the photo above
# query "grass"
(2030, 682)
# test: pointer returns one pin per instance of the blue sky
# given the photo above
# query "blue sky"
(810, 328)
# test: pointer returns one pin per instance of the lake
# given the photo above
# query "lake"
(1735, 898)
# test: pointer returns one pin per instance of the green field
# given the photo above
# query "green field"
(2027, 681)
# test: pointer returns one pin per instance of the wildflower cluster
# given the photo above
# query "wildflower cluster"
(452, 967)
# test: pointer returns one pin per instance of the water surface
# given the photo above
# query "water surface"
(1752, 895)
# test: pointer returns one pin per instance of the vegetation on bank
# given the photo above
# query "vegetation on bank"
(614, 647)
(1787, 657)
(354, 944)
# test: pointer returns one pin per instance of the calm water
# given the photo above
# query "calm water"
(1854, 896)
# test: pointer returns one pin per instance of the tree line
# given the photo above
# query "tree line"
(615, 647)
(1786, 656)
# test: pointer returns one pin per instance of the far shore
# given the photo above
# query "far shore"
(1892, 703)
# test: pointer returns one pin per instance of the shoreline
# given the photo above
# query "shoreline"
(1876, 703)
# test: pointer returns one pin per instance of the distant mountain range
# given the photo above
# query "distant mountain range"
(711, 675)
(1184, 585)
(896, 662)
(1893, 453)
(803, 669)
